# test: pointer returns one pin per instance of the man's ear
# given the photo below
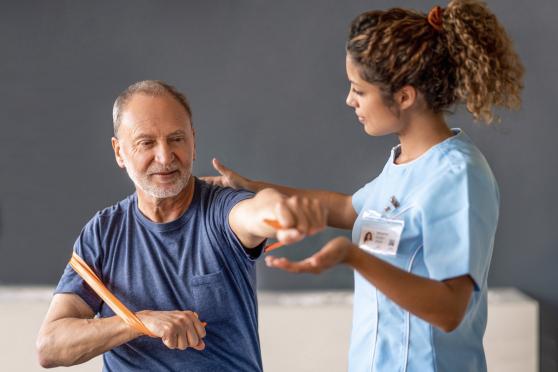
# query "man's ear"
(116, 147)
(406, 97)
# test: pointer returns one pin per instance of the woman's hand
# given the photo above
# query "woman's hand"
(227, 178)
(335, 252)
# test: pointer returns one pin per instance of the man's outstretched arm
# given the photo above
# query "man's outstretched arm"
(71, 335)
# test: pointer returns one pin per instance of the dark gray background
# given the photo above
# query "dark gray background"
(267, 84)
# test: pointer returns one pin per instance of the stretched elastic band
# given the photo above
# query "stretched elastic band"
(276, 225)
(83, 270)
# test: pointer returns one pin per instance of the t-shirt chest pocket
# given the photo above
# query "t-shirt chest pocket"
(210, 297)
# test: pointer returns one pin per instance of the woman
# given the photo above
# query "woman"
(421, 282)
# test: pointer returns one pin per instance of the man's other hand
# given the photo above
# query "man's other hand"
(177, 329)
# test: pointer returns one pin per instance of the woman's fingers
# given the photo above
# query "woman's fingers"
(333, 253)
(304, 266)
(219, 167)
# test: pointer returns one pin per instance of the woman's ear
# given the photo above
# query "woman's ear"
(406, 97)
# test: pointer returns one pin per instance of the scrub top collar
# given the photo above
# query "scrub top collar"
(457, 134)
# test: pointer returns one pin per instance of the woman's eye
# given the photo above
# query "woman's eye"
(357, 92)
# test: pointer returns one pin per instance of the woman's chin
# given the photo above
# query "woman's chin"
(375, 131)
(371, 131)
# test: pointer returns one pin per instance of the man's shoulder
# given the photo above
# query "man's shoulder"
(214, 195)
(113, 213)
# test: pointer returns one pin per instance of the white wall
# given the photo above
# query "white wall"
(299, 332)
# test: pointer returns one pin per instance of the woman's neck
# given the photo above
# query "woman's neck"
(420, 134)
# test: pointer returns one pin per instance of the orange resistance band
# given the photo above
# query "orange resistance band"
(276, 225)
(80, 267)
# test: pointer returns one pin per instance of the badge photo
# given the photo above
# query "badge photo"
(379, 234)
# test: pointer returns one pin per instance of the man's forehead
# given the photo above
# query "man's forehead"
(154, 125)
(147, 114)
(138, 131)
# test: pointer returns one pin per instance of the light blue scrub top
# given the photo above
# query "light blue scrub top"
(449, 202)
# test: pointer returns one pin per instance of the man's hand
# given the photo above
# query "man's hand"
(177, 329)
(227, 178)
(333, 253)
(298, 217)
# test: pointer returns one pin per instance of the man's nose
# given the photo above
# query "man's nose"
(164, 154)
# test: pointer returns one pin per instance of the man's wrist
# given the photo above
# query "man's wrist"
(132, 332)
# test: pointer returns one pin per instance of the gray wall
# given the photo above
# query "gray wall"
(267, 85)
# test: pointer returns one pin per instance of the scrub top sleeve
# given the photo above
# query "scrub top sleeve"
(88, 247)
(359, 197)
(460, 214)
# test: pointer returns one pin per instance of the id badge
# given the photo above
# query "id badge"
(379, 234)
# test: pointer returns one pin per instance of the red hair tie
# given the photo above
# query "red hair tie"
(435, 18)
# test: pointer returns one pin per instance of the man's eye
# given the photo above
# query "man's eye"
(146, 143)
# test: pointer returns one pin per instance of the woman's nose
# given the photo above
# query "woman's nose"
(350, 101)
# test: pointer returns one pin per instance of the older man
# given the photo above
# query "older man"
(176, 249)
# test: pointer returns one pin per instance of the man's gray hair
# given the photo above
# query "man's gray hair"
(153, 88)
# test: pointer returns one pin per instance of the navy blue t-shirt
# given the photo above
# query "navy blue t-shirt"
(194, 263)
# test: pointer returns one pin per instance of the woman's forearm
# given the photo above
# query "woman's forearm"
(441, 303)
(339, 206)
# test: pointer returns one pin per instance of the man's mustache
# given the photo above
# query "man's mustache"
(163, 169)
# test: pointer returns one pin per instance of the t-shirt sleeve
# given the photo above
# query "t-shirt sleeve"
(459, 218)
(225, 200)
(88, 247)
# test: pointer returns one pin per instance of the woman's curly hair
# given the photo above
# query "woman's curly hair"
(468, 59)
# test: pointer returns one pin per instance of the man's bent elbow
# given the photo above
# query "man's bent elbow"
(44, 357)
(47, 355)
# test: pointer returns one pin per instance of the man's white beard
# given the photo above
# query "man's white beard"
(142, 182)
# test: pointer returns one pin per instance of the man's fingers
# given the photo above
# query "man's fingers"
(178, 329)
(182, 342)
(299, 207)
(289, 236)
(170, 341)
(303, 214)
(199, 346)
(194, 329)
(284, 215)
(200, 329)
(192, 336)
